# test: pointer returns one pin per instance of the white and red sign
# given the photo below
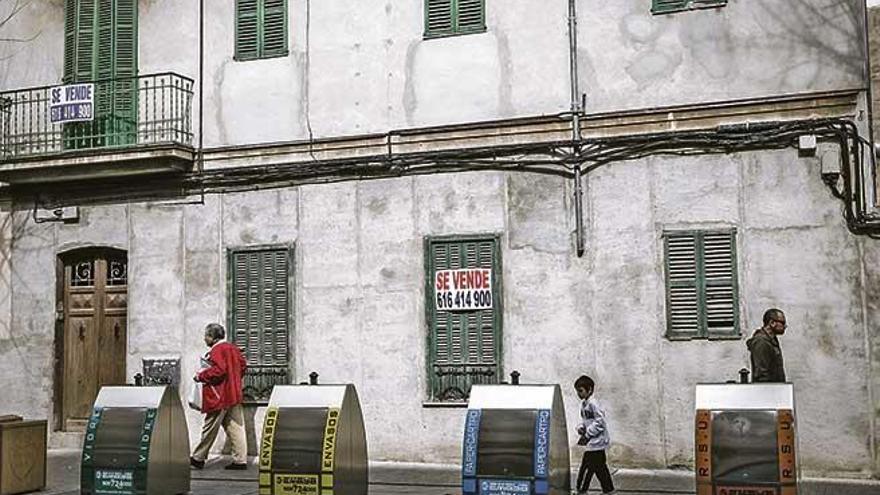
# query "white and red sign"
(463, 290)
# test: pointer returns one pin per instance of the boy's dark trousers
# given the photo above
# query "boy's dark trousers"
(594, 462)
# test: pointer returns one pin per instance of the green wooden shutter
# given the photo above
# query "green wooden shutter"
(260, 29)
(719, 262)
(125, 87)
(682, 285)
(101, 45)
(470, 16)
(274, 32)
(701, 284)
(447, 17)
(71, 11)
(464, 346)
(260, 316)
(438, 17)
(86, 28)
(247, 27)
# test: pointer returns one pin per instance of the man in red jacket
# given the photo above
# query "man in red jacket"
(221, 398)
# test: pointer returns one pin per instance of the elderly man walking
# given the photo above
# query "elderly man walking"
(221, 398)
(767, 365)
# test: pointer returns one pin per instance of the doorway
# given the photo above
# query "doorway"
(93, 329)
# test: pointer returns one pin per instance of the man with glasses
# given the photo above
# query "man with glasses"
(764, 347)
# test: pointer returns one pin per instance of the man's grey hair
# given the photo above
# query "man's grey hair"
(216, 331)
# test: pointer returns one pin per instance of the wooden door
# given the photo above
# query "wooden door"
(95, 309)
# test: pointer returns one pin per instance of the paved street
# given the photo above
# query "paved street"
(387, 478)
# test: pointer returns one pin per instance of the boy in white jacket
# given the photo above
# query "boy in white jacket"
(593, 432)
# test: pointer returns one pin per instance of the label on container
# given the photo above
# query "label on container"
(114, 482)
(296, 484)
(505, 487)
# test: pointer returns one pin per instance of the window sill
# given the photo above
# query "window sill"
(263, 57)
(689, 8)
(434, 36)
(686, 338)
(444, 405)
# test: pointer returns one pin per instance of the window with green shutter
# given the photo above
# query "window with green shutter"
(260, 29)
(464, 315)
(667, 6)
(452, 17)
(100, 46)
(260, 316)
(701, 284)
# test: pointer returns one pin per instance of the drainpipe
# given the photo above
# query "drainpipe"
(870, 213)
(576, 127)
(201, 153)
(872, 197)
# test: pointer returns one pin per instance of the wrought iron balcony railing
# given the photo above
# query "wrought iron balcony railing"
(145, 110)
(452, 382)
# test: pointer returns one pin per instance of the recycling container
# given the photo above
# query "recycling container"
(515, 441)
(136, 443)
(313, 442)
(746, 439)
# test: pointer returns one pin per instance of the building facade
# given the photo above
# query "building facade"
(621, 192)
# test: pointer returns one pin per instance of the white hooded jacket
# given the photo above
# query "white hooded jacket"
(595, 427)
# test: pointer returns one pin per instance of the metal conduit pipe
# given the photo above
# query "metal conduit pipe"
(576, 127)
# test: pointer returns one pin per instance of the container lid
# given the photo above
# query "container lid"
(715, 396)
(512, 396)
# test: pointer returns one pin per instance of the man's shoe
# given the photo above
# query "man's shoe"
(196, 463)
(236, 466)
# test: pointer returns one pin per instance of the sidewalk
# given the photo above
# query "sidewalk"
(392, 478)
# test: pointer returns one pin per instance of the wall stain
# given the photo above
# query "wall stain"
(410, 99)
(219, 77)
(378, 206)
(505, 79)
(652, 65)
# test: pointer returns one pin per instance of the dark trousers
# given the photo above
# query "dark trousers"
(594, 462)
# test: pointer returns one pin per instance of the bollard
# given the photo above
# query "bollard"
(313, 378)
(514, 377)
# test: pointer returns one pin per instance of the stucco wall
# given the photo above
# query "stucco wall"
(364, 67)
(359, 302)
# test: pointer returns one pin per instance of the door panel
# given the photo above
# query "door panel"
(95, 313)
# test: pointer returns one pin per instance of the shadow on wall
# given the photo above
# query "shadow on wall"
(740, 50)
(832, 30)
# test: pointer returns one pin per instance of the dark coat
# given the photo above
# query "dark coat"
(767, 363)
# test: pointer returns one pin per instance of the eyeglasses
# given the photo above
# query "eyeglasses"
(782, 322)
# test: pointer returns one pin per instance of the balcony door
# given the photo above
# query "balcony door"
(95, 302)
(100, 46)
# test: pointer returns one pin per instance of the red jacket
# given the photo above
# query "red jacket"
(223, 378)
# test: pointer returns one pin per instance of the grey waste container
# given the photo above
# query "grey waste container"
(136, 443)
(746, 439)
(313, 442)
(515, 441)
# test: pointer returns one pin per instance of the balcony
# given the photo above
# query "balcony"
(141, 125)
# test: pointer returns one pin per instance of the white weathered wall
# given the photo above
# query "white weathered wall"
(364, 67)
(359, 309)
(359, 302)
